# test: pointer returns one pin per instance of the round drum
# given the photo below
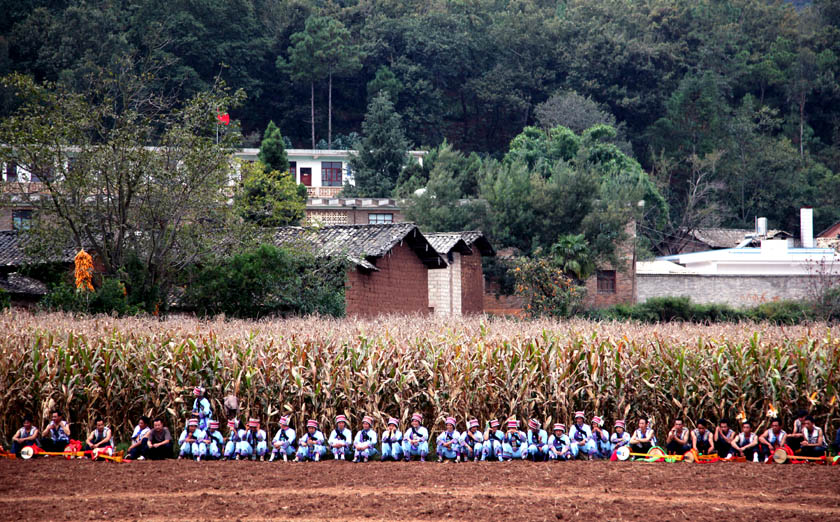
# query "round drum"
(780, 456)
(655, 453)
(622, 453)
(27, 453)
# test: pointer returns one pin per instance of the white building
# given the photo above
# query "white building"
(746, 276)
(323, 172)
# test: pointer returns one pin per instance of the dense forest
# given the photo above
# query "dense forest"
(732, 108)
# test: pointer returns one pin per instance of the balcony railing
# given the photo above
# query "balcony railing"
(322, 192)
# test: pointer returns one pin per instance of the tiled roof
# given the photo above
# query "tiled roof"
(445, 242)
(15, 283)
(362, 244)
(727, 237)
(12, 251)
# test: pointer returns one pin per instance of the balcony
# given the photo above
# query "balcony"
(322, 192)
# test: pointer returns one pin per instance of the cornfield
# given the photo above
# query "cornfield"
(474, 367)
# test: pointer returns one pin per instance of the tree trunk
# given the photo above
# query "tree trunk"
(329, 115)
(312, 110)
(801, 125)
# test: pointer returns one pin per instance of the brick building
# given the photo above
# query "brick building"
(459, 289)
(391, 264)
(352, 211)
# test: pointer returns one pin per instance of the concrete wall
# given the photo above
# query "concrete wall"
(348, 216)
(734, 290)
(400, 285)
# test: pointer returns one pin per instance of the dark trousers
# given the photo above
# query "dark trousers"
(676, 448)
(136, 451)
(723, 448)
(53, 446)
(17, 446)
(159, 453)
(642, 447)
(749, 453)
(812, 451)
(703, 447)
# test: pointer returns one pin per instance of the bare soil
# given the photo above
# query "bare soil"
(58, 489)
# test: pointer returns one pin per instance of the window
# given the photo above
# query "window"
(380, 219)
(606, 281)
(331, 173)
(11, 171)
(21, 219)
(293, 170)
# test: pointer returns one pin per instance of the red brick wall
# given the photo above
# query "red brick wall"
(501, 304)
(472, 283)
(400, 286)
(625, 276)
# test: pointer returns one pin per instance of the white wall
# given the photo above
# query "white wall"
(445, 289)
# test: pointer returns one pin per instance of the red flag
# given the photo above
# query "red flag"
(224, 119)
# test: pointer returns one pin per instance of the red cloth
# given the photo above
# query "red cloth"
(224, 119)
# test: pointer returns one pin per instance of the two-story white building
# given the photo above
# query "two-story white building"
(323, 172)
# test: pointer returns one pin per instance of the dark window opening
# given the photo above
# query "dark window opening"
(11, 172)
(293, 170)
(606, 281)
(21, 219)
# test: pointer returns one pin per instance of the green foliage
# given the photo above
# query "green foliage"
(269, 199)
(110, 297)
(273, 150)
(267, 280)
(382, 151)
(546, 289)
(385, 81)
(5, 299)
(667, 309)
(571, 254)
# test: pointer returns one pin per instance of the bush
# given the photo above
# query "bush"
(268, 280)
(782, 312)
(546, 288)
(109, 298)
(666, 309)
(5, 299)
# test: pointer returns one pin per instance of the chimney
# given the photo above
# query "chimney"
(806, 227)
(761, 227)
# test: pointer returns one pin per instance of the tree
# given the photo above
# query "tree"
(307, 59)
(571, 254)
(272, 150)
(267, 280)
(166, 204)
(269, 199)
(341, 58)
(382, 152)
(385, 80)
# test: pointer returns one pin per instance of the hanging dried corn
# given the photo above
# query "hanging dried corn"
(84, 271)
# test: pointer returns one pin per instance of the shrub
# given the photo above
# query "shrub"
(5, 299)
(782, 312)
(109, 298)
(268, 280)
(546, 288)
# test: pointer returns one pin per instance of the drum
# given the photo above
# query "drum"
(690, 457)
(655, 454)
(622, 453)
(27, 453)
(780, 456)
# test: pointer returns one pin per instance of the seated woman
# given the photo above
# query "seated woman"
(312, 445)
(365, 443)
(138, 438)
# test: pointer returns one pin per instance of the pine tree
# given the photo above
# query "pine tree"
(273, 149)
(382, 152)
